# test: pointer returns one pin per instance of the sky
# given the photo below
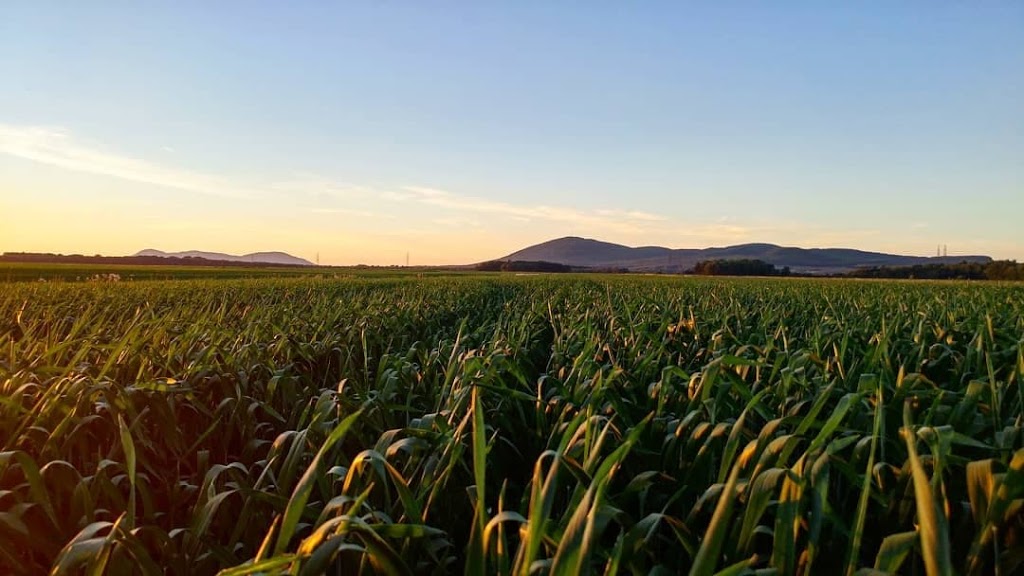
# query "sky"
(456, 132)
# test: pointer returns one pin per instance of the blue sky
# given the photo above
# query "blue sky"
(460, 131)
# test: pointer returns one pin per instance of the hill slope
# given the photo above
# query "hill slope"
(585, 252)
(255, 257)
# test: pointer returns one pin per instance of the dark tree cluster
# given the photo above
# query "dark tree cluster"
(522, 266)
(995, 270)
(744, 267)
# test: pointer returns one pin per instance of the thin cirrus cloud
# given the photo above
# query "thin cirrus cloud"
(323, 188)
(349, 212)
(625, 221)
(58, 147)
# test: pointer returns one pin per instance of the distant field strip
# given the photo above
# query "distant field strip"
(511, 425)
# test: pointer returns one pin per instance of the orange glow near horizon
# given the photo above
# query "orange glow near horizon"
(119, 205)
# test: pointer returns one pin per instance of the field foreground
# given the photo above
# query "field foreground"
(532, 425)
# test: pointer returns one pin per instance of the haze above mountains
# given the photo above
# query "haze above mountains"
(588, 253)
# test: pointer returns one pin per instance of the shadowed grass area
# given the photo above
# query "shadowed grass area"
(511, 425)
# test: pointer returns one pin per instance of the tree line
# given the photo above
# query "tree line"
(743, 267)
(994, 270)
(522, 266)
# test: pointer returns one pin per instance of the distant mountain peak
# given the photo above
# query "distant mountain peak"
(255, 257)
(589, 253)
(765, 245)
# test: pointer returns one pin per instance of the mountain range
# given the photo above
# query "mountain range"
(255, 257)
(587, 253)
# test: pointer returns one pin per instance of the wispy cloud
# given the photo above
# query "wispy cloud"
(628, 221)
(58, 147)
(350, 212)
(461, 211)
(323, 187)
(632, 215)
(457, 223)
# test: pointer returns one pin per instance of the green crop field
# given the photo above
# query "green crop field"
(87, 272)
(511, 425)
